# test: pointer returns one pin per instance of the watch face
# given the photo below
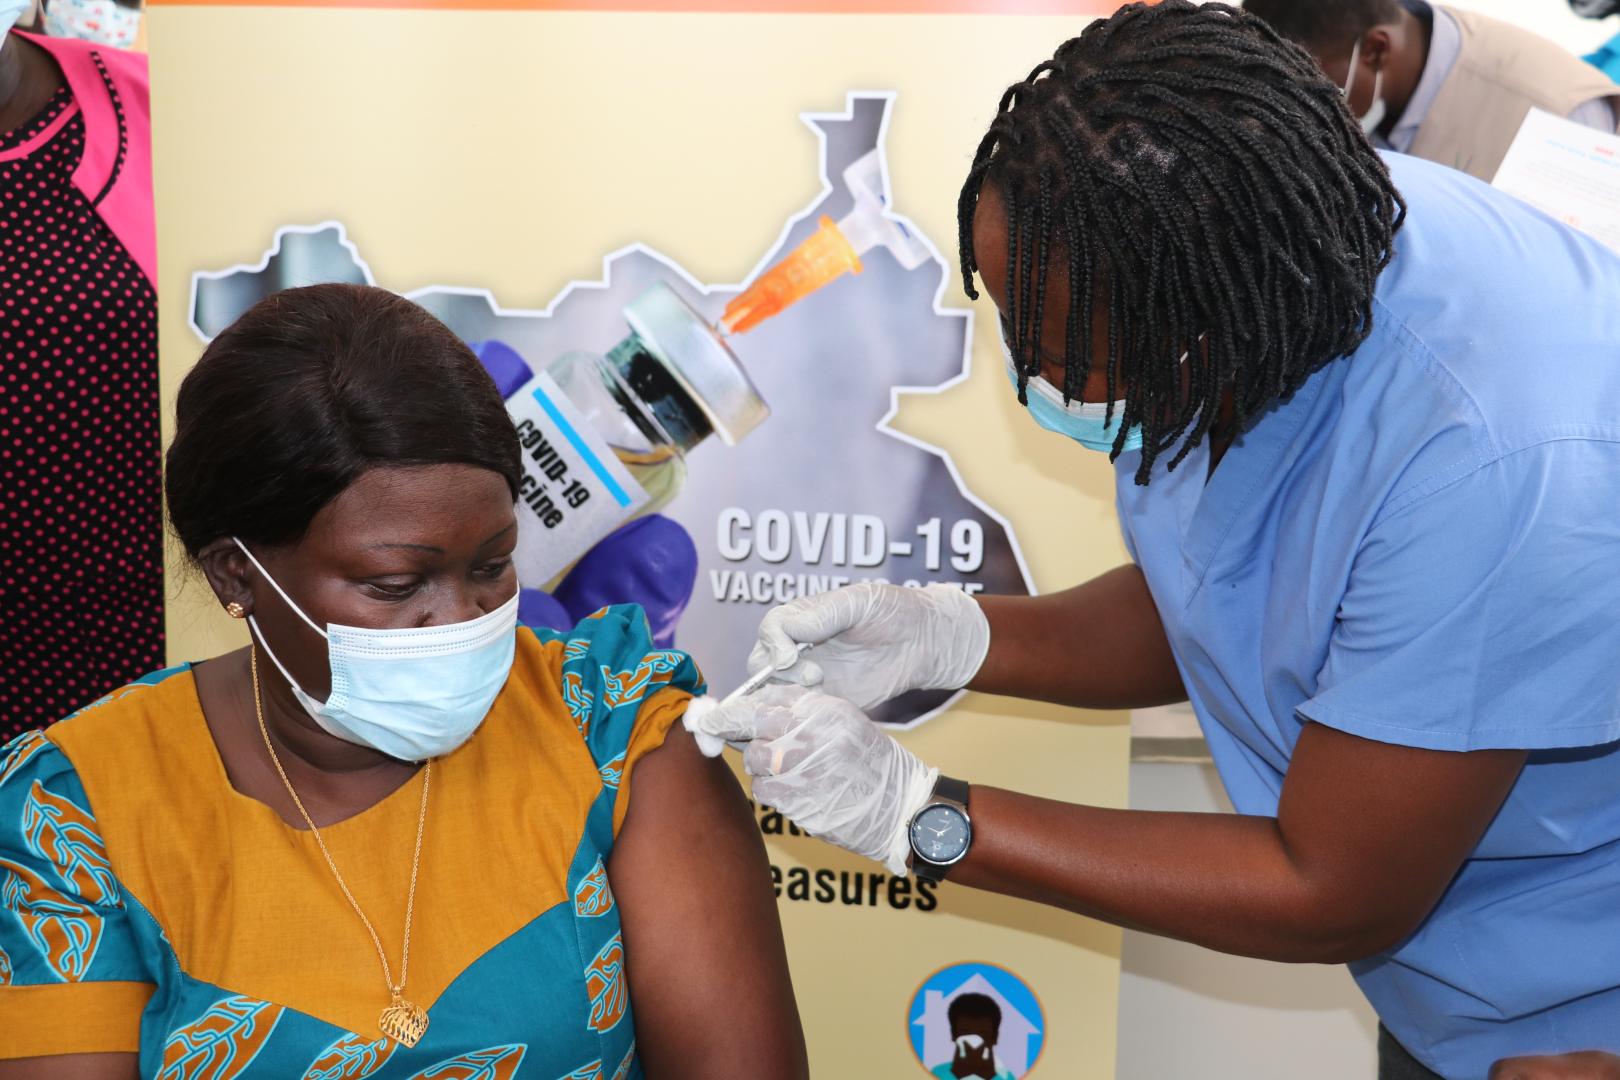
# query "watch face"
(940, 834)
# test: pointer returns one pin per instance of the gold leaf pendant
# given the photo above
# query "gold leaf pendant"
(403, 1021)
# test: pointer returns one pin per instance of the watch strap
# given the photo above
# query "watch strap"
(950, 789)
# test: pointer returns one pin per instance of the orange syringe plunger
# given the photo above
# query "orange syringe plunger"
(825, 256)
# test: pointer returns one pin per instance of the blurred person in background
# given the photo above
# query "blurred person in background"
(104, 22)
(81, 559)
(1439, 83)
(1607, 56)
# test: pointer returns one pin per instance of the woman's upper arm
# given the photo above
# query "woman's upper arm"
(707, 965)
(72, 1067)
(74, 982)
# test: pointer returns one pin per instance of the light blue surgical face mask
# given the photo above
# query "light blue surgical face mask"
(10, 12)
(413, 693)
(1086, 423)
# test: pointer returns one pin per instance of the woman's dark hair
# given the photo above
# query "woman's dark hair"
(1208, 192)
(307, 390)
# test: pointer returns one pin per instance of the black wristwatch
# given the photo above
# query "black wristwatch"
(941, 831)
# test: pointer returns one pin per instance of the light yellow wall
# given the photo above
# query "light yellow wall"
(512, 151)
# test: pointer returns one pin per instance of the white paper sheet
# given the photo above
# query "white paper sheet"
(1568, 171)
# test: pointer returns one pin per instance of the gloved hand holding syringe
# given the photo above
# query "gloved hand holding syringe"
(817, 757)
(700, 714)
(819, 760)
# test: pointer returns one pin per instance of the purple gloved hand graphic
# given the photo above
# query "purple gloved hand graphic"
(650, 561)
(505, 366)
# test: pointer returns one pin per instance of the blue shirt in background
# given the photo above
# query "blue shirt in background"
(1422, 547)
(1607, 58)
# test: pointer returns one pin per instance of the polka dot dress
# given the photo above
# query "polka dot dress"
(81, 557)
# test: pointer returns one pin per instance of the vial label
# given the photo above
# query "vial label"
(575, 491)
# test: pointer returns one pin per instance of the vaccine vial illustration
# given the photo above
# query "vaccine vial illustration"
(605, 435)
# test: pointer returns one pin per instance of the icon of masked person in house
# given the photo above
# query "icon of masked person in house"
(975, 1029)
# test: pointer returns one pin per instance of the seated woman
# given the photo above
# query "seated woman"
(393, 837)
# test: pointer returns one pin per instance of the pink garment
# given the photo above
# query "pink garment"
(110, 87)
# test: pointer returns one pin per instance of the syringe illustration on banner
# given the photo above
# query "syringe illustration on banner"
(618, 385)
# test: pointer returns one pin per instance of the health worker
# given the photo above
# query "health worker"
(1363, 415)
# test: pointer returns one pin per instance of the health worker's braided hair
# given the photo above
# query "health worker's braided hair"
(1206, 190)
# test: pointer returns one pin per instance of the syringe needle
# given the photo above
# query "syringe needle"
(757, 680)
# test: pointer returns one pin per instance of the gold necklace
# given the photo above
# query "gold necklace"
(403, 1021)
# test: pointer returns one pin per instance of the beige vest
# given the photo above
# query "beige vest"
(1501, 72)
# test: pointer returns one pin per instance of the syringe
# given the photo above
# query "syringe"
(757, 679)
(750, 684)
(700, 711)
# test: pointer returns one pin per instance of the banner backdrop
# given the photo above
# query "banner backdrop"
(578, 190)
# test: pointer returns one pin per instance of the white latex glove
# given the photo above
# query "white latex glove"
(836, 774)
(874, 642)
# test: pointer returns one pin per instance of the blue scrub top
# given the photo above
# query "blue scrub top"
(1422, 547)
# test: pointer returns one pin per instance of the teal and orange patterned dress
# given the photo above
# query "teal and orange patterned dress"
(146, 905)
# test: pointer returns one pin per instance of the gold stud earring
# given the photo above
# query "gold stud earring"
(235, 610)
